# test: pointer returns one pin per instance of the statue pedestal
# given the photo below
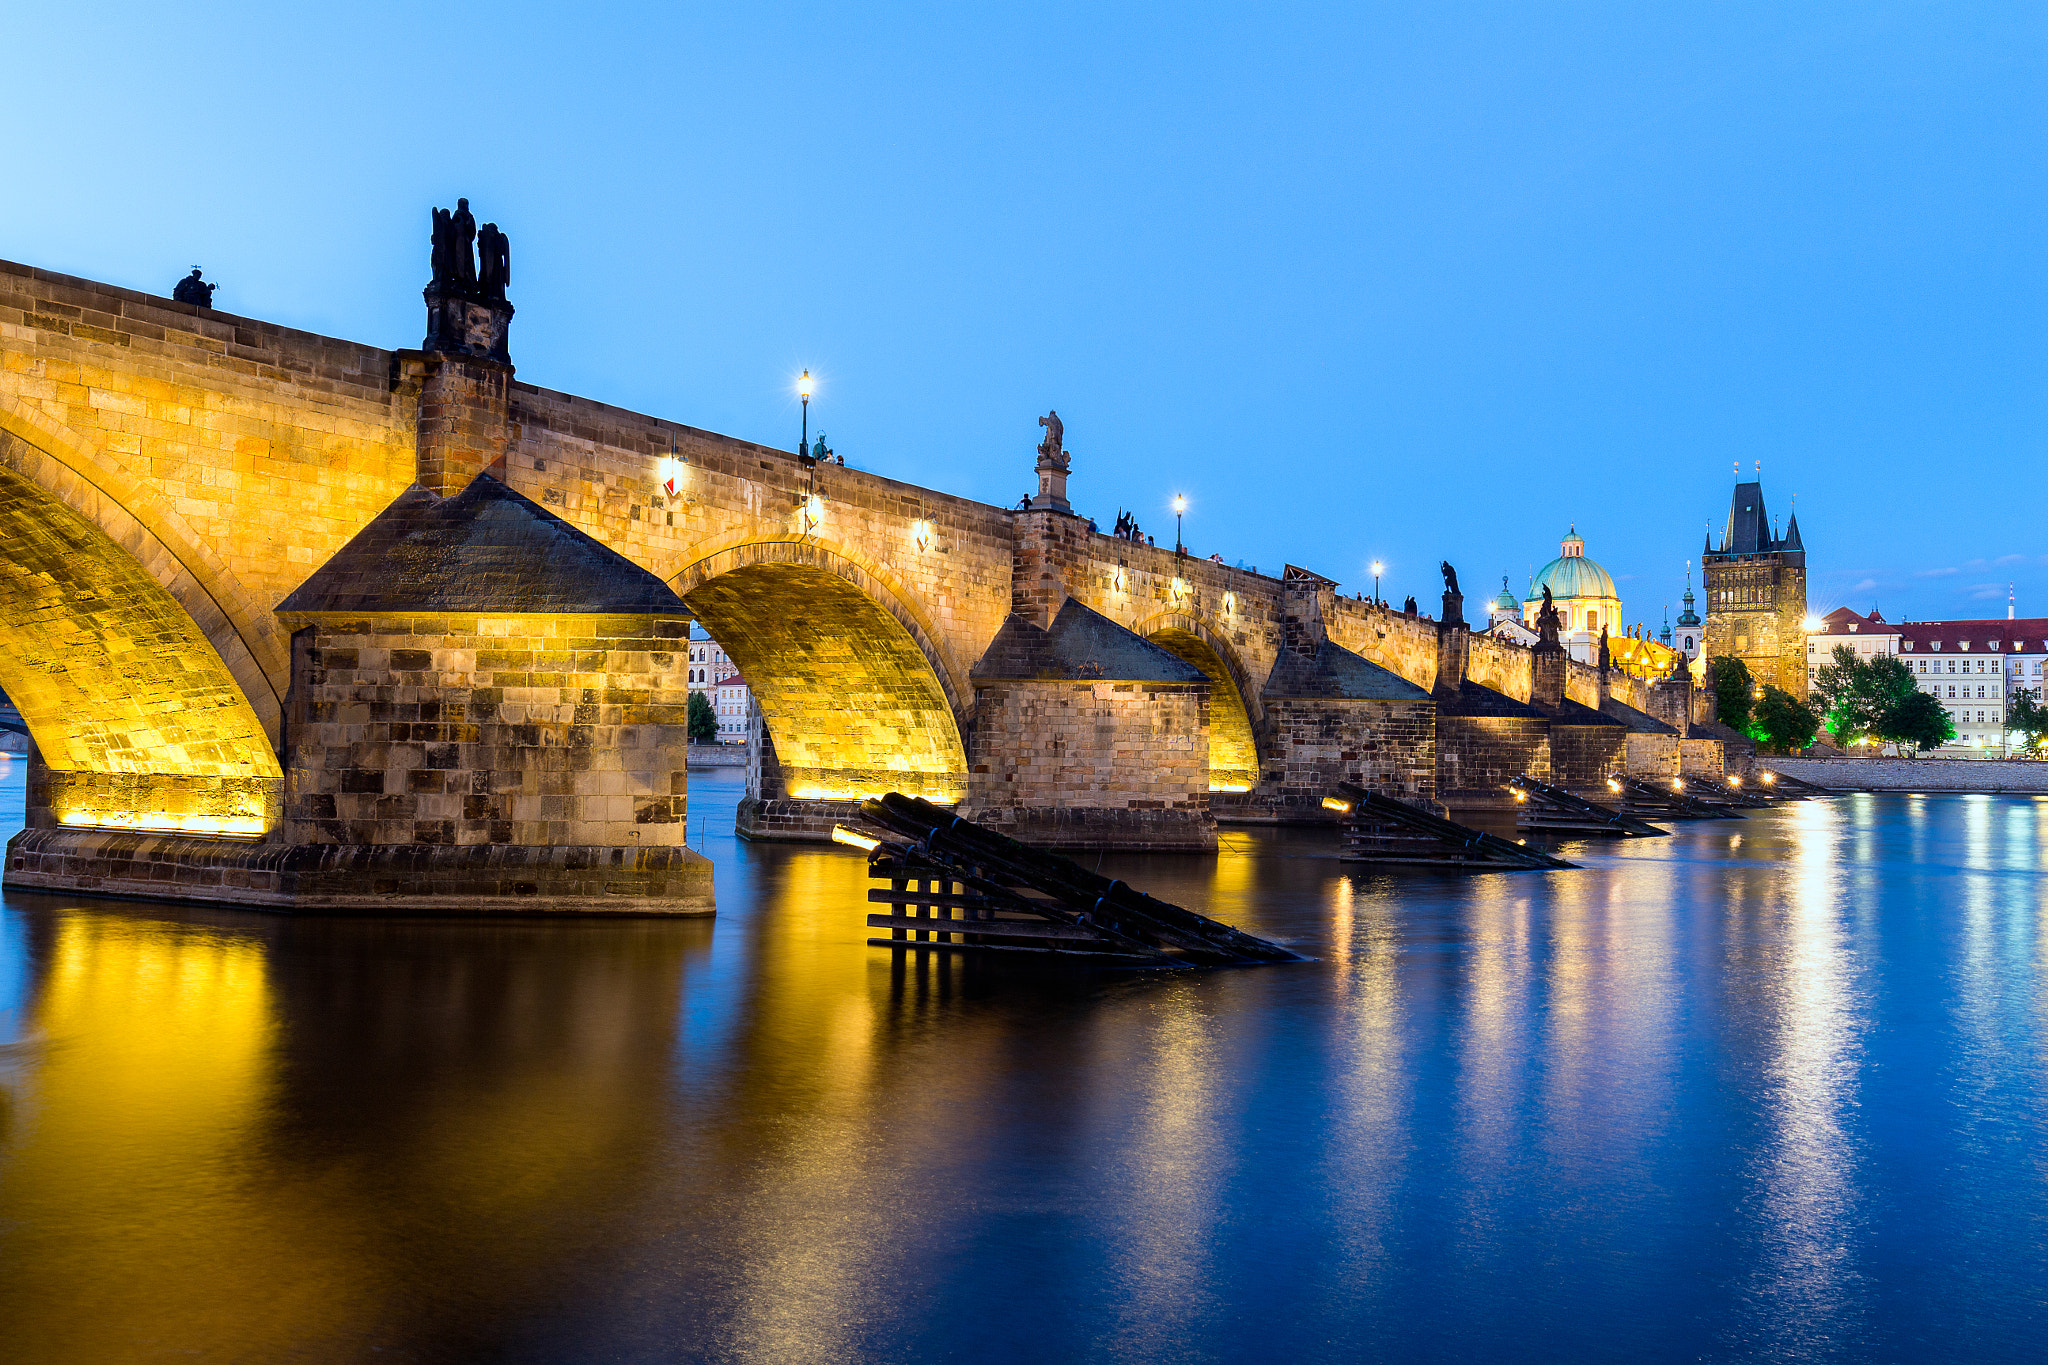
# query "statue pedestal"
(461, 325)
(1052, 484)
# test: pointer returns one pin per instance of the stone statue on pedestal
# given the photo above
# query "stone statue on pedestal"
(1053, 461)
(466, 309)
(1547, 621)
(1454, 601)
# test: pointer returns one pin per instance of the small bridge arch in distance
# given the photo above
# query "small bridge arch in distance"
(854, 687)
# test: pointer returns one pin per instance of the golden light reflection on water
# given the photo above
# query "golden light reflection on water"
(1804, 1277)
(1492, 1049)
(184, 1178)
(1371, 1145)
(140, 1116)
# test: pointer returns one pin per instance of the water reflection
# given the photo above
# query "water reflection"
(1806, 1275)
(1772, 1090)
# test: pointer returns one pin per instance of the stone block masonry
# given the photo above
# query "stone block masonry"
(1093, 764)
(482, 730)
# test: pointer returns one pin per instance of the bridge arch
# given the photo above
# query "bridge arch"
(142, 718)
(1233, 746)
(137, 516)
(857, 692)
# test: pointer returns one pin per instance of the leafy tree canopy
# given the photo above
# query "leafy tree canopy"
(1782, 723)
(1865, 697)
(1922, 722)
(703, 720)
(1732, 689)
(2025, 713)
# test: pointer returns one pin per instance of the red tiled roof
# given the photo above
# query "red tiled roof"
(1838, 621)
(2028, 634)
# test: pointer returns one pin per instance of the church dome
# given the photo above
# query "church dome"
(1506, 601)
(1571, 574)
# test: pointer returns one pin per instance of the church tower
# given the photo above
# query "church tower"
(1691, 630)
(1756, 593)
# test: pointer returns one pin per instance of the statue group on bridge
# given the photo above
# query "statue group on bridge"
(481, 273)
(194, 290)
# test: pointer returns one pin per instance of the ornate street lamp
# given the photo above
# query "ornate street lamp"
(803, 389)
(1376, 567)
(1180, 507)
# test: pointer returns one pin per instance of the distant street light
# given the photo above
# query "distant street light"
(1180, 507)
(803, 388)
(1376, 567)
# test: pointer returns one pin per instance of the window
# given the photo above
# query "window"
(1951, 690)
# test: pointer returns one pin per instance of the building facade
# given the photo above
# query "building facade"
(1756, 593)
(718, 678)
(1970, 667)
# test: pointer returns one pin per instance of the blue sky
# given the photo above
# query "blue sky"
(1408, 282)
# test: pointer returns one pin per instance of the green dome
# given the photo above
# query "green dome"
(1571, 574)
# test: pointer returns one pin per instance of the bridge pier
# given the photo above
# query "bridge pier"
(1088, 736)
(1330, 716)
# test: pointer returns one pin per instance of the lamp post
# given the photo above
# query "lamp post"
(1376, 567)
(1180, 507)
(803, 389)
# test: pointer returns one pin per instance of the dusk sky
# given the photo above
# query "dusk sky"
(1412, 282)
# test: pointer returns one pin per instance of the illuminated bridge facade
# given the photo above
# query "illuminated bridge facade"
(277, 645)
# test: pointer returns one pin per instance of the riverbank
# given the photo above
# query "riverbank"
(1915, 774)
(718, 756)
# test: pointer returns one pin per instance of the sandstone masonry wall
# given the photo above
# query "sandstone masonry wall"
(1080, 763)
(566, 730)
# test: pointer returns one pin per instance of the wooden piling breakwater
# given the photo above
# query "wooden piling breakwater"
(1541, 808)
(955, 886)
(1381, 829)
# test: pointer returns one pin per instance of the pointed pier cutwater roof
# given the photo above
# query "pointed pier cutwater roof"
(487, 549)
(1336, 673)
(1081, 646)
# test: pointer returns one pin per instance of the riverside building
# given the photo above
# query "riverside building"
(718, 678)
(1970, 667)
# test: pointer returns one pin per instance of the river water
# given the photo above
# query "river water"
(1773, 1090)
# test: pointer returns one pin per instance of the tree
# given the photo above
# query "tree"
(703, 720)
(1732, 689)
(1783, 723)
(1834, 691)
(1864, 696)
(2025, 713)
(1922, 722)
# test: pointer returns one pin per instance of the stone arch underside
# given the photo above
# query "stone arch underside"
(1233, 752)
(141, 723)
(852, 701)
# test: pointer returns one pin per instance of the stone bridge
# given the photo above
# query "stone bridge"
(296, 621)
